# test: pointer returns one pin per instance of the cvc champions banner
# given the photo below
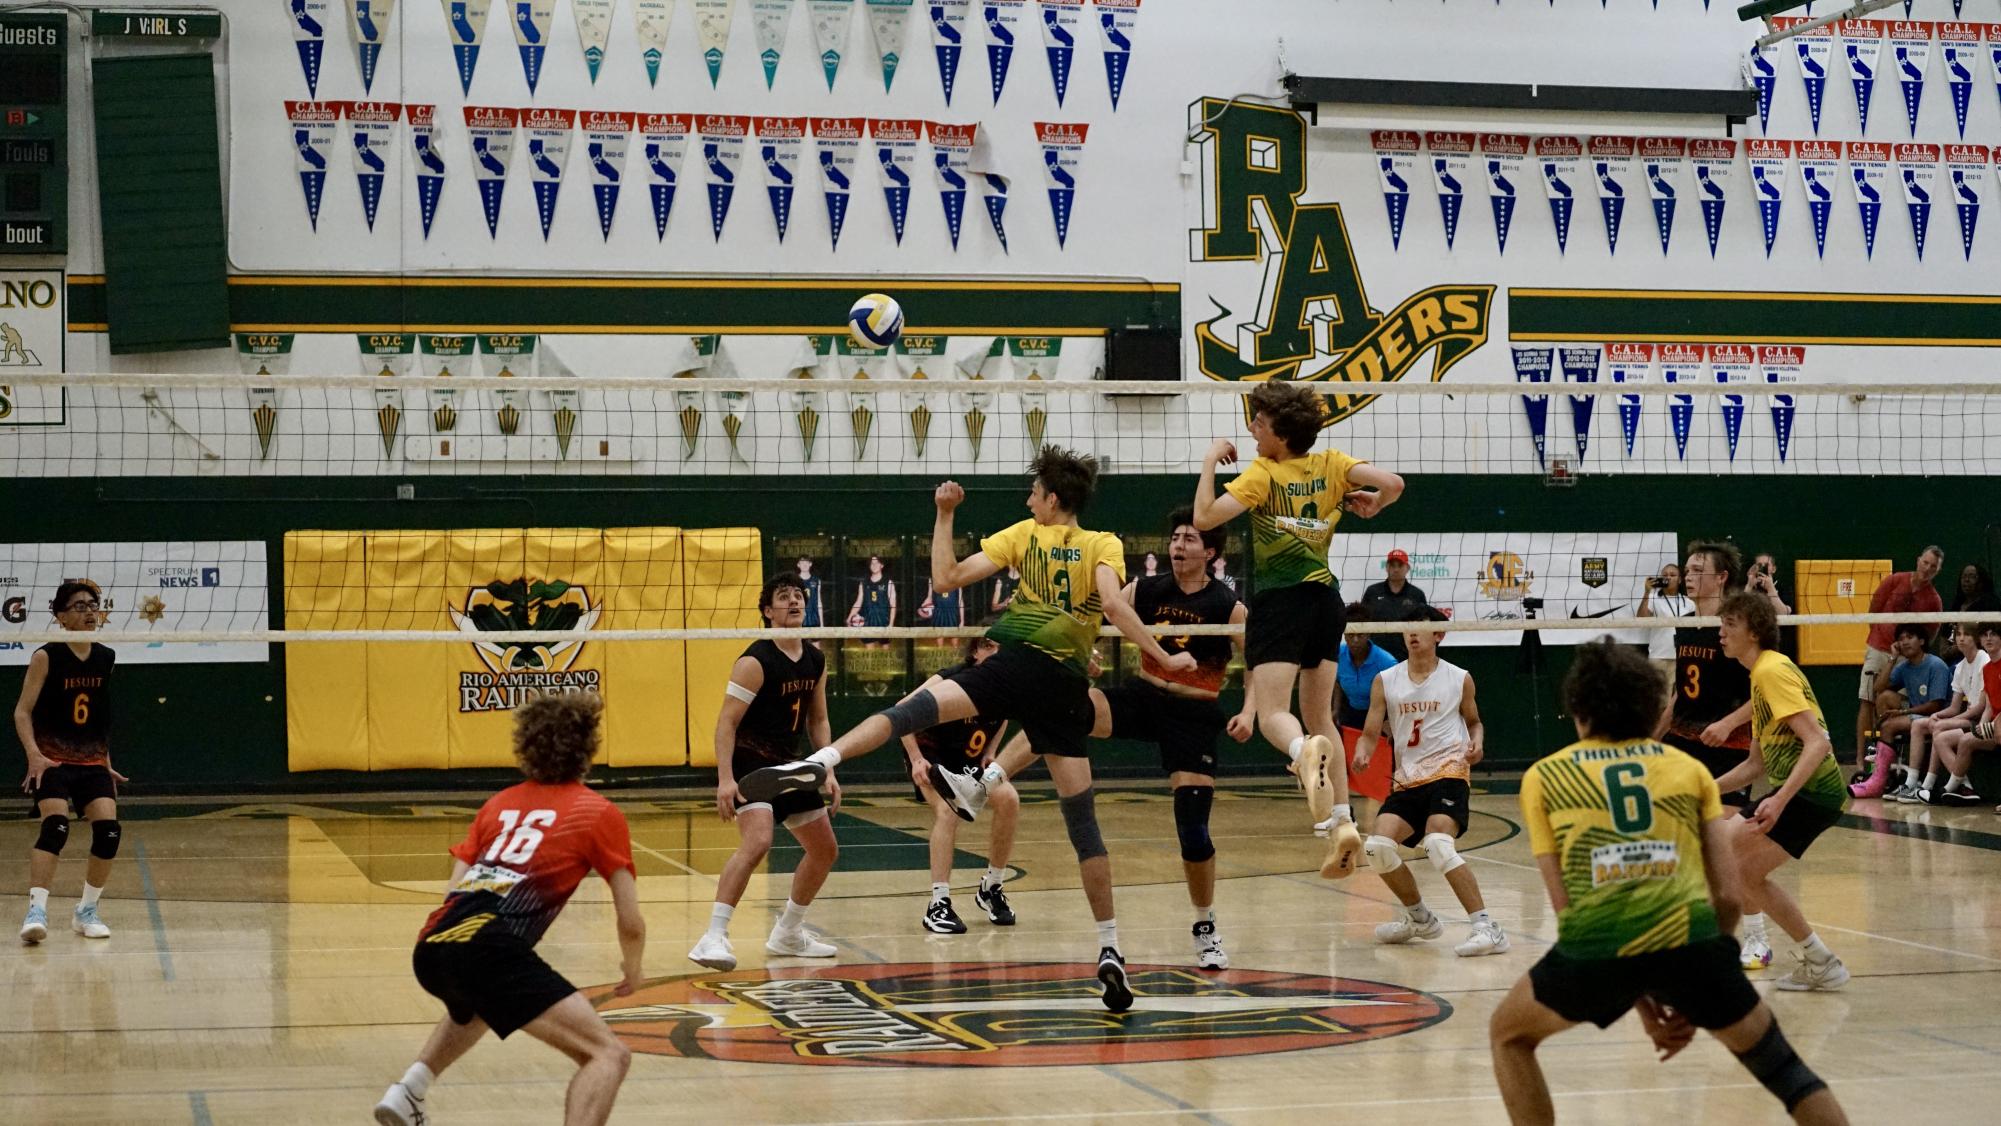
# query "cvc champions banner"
(162, 587)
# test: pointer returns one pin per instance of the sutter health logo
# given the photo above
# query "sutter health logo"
(1006, 1014)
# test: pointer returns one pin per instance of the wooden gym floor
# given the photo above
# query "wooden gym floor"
(259, 972)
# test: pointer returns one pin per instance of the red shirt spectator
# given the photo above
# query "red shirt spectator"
(1906, 592)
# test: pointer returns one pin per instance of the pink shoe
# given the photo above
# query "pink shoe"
(1873, 786)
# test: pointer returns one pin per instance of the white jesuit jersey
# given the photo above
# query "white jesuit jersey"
(1425, 726)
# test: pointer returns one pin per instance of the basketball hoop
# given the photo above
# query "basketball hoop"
(1562, 474)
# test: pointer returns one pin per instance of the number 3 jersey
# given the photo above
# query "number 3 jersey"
(1624, 821)
(529, 848)
(1426, 729)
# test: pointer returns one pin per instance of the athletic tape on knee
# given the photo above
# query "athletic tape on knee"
(55, 834)
(1382, 854)
(1775, 1064)
(1444, 857)
(104, 838)
(1080, 817)
(1191, 821)
(917, 713)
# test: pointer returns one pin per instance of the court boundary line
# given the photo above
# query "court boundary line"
(160, 945)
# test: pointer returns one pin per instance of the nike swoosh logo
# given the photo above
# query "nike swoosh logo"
(1599, 614)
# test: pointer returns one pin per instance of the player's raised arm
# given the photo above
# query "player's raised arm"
(1120, 613)
(1211, 510)
(948, 571)
(1361, 502)
(1372, 728)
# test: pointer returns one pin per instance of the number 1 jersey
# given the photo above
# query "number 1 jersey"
(529, 848)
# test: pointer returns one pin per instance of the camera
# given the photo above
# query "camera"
(1531, 604)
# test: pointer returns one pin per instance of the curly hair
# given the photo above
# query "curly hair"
(781, 581)
(556, 736)
(1067, 475)
(973, 643)
(69, 589)
(1293, 410)
(1614, 691)
(1756, 614)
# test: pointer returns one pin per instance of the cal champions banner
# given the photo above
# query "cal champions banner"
(465, 24)
(161, 587)
(430, 162)
(1116, 19)
(309, 35)
(838, 142)
(830, 34)
(605, 136)
(779, 140)
(490, 129)
(373, 129)
(895, 144)
(663, 140)
(314, 125)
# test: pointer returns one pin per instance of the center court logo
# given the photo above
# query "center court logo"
(1007, 1014)
(516, 673)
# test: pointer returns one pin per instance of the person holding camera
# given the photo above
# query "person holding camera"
(1662, 597)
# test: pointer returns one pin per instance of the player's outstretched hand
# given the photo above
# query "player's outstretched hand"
(948, 495)
(1223, 452)
(1669, 1030)
(1363, 502)
(1242, 726)
(726, 799)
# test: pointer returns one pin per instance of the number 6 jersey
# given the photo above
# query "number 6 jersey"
(529, 848)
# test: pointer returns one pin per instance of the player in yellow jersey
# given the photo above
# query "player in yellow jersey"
(1070, 580)
(1808, 796)
(1631, 839)
(1295, 498)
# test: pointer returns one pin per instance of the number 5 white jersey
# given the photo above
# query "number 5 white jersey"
(1426, 729)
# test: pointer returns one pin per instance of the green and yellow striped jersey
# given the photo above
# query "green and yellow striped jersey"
(1056, 610)
(1624, 821)
(1779, 691)
(1294, 505)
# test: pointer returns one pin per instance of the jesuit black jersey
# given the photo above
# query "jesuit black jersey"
(72, 716)
(1159, 600)
(1707, 685)
(774, 726)
(965, 739)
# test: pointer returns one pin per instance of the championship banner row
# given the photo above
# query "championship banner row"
(1862, 45)
(960, 160)
(369, 22)
(1961, 175)
(1629, 363)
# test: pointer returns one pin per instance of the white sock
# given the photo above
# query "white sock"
(825, 756)
(1959, 782)
(1108, 933)
(1754, 925)
(1293, 748)
(1481, 916)
(793, 917)
(1816, 951)
(1417, 912)
(90, 895)
(940, 892)
(417, 1080)
(1343, 813)
(993, 879)
(993, 775)
(38, 897)
(1931, 780)
(719, 919)
(1205, 915)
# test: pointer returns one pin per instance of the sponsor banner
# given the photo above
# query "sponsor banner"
(1060, 21)
(1869, 173)
(1862, 47)
(770, 20)
(948, 41)
(1911, 42)
(162, 587)
(722, 150)
(1764, 71)
(1451, 166)
(1396, 166)
(838, 142)
(593, 32)
(372, 126)
(1663, 158)
(465, 25)
(370, 21)
(650, 22)
(1820, 173)
(491, 131)
(1682, 363)
(1506, 155)
(1814, 49)
(309, 36)
(1116, 19)
(1062, 152)
(1968, 172)
(885, 20)
(1629, 363)
(1612, 168)
(1779, 365)
(1559, 158)
(533, 20)
(663, 140)
(1533, 364)
(430, 162)
(548, 132)
(1714, 159)
(1732, 363)
(712, 33)
(1768, 159)
(314, 126)
(895, 144)
(830, 33)
(1959, 48)
(606, 134)
(1003, 20)
(1579, 364)
(1917, 167)
(779, 140)
(951, 157)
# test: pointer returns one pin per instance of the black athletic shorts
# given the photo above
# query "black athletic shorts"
(785, 806)
(1050, 701)
(502, 981)
(1299, 625)
(1450, 796)
(1799, 824)
(1717, 760)
(78, 785)
(1185, 728)
(1702, 981)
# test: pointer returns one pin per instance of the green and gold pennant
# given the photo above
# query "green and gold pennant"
(1035, 356)
(515, 353)
(264, 353)
(387, 354)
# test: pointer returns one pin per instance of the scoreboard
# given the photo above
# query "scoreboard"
(34, 131)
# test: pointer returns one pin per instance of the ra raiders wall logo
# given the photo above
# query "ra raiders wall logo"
(1312, 319)
(1005, 1014)
(517, 672)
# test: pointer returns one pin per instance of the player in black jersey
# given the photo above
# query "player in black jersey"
(776, 696)
(64, 721)
(964, 746)
(1710, 711)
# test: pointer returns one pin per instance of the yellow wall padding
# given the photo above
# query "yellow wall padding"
(724, 568)
(326, 682)
(1835, 586)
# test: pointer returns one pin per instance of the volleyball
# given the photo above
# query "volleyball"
(875, 321)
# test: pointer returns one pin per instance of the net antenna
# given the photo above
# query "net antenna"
(1766, 9)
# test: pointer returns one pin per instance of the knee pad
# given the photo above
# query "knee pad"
(1191, 821)
(104, 838)
(55, 833)
(1443, 856)
(1775, 1064)
(908, 717)
(1080, 817)
(1382, 854)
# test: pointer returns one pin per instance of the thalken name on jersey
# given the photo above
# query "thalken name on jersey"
(505, 691)
(1418, 707)
(838, 1018)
